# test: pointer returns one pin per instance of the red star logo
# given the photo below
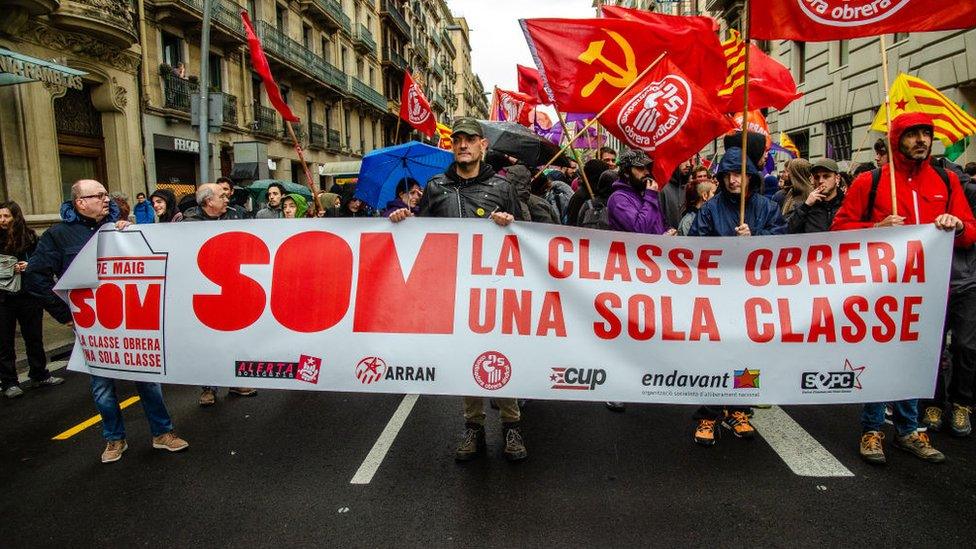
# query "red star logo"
(901, 104)
(857, 372)
(748, 379)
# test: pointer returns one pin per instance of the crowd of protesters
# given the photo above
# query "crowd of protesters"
(610, 192)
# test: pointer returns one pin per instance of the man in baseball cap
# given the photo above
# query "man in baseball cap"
(467, 126)
(816, 213)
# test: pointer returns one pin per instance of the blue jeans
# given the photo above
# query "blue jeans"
(905, 420)
(107, 402)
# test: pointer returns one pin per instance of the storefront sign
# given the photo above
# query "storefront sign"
(17, 68)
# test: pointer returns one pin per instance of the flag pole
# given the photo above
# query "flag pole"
(396, 136)
(887, 108)
(744, 185)
(603, 110)
(579, 164)
(308, 174)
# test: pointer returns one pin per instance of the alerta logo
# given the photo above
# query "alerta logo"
(850, 13)
(745, 379)
(306, 369)
(492, 370)
(578, 379)
(374, 368)
(843, 381)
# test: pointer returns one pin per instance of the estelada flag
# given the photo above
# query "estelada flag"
(771, 84)
(911, 94)
(260, 63)
(788, 145)
(530, 83)
(512, 106)
(586, 63)
(444, 136)
(823, 20)
(415, 109)
(662, 21)
(667, 115)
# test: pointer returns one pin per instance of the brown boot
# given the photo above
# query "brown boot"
(113, 450)
(169, 441)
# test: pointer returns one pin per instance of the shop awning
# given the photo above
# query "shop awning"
(17, 68)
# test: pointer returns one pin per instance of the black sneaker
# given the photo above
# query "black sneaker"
(472, 442)
(514, 445)
(616, 406)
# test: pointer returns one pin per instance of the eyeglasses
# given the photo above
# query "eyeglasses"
(100, 196)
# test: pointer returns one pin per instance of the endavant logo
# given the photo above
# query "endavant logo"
(578, 379)
(492, 370)
(850, 13)
(657, 113)
(746, 379)
(306, 369)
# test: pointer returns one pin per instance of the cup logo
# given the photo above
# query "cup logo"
(656, 113)
(850, 13)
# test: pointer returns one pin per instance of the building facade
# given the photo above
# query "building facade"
(104, 89)
(468, 88)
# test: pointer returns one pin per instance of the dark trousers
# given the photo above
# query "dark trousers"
(27, 311)
(718, 412)
(956, 381)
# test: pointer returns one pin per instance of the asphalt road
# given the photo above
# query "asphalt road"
(276, 470)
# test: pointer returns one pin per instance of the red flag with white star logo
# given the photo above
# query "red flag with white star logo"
(666, 115)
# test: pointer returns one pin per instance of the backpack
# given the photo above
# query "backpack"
(595, 215)
(876, 180)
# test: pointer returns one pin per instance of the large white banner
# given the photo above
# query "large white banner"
(464, 307)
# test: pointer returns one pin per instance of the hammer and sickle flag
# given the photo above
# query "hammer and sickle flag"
(586, 63)
(666, 115)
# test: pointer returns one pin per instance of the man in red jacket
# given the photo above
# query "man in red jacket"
(923, 196)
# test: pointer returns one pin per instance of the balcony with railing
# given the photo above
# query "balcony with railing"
(394, 59)
(333, 141)
(265, 121)
(177, 92)
(316, 136)
(367, 94)
(299, 59)
(229, 108)
(390, 10)
(328, 13)
(437, 68)
(299, 133)
(225, 15)
(422, 52)
(448, 43)
(363, 41)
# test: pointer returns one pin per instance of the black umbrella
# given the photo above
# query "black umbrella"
(516, 140)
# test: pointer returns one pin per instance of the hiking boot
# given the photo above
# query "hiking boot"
(918, 444)
(13, 391)
(50, 381)
(961, 425)
(738, 423)
(871, 450)
(113, 450)
(169, 441)
(932, 418)
(706, 433)
(514, 445)
(472, 442)
(208, 397)
(242, 391)
(616, 406)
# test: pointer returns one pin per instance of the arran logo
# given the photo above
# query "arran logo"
(416, 110)
(370, 369)
(492, 370)
(657, 113)
(850, 13)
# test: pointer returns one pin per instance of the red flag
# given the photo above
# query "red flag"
(260, 63)
(512, 106)
(530, 83)
(587, 62)
(823, 20)
(666, 115)
(415, 109)
(771, 84)
(662, 21)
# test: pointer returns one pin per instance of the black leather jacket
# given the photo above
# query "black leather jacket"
(448, 195)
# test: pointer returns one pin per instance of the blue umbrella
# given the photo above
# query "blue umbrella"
(382, 169)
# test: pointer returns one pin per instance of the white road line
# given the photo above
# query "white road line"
(801, 452)
(51, 367)
(375, 457)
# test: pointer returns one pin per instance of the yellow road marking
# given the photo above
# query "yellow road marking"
(92, 421)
